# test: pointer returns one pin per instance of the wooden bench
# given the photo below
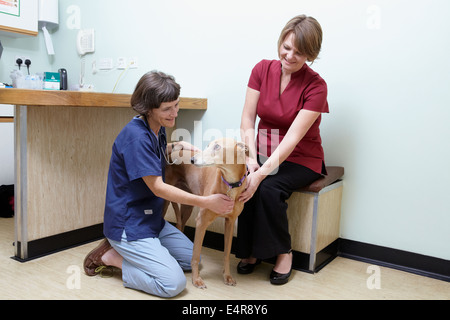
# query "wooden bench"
(314, 217)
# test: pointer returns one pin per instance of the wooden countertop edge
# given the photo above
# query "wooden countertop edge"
(26, 97)
(6, 119)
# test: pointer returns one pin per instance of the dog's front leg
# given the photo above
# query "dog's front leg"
(200, 229)
(228, 238)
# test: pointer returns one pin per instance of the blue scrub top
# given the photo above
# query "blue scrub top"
(130, 205)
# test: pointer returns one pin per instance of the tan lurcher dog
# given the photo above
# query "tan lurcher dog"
(220, 168)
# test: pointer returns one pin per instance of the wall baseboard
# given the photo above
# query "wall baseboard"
(397, 259)
(383, 256)
(53, 244)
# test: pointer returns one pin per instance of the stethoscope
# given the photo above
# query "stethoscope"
(162, 141)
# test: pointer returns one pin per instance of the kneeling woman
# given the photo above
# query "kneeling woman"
(151, 252)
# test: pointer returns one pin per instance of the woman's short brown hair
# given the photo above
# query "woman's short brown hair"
(307, 35)
(154, 88)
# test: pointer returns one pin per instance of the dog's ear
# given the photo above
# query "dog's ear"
(243, 147)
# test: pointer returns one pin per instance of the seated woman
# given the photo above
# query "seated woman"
(289, 97)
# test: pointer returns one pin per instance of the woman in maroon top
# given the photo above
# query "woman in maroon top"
(288, 97)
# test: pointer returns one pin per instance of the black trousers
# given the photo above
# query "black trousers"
(263, 230)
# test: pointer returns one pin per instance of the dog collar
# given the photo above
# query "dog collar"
(234, 184)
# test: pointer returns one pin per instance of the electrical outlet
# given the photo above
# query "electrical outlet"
(23, 58)
(121, 63)
(133, 63)
(105, 64)
(17, 58)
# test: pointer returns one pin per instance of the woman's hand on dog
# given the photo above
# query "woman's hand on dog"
(252, 165)
(252, 182)
(220, 203)
(183, 145)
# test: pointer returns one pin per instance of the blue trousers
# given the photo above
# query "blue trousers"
(156, 265)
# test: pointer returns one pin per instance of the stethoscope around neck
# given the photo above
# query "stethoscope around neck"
(162, 141)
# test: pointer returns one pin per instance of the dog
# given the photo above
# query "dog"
(219, 168)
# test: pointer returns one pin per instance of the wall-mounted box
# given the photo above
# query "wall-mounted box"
(19, 18)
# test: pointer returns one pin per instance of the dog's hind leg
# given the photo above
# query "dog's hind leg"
(176, 210)
(185, 214)
(165, 207)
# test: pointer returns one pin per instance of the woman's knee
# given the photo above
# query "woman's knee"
(165, 283)
(173, 286)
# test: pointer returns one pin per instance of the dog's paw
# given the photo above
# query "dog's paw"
(199, 283)
(228, 280)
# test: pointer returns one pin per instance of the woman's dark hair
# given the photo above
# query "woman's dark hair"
(154, 88)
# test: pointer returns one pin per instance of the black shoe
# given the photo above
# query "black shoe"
(246, 268)
(279, 278)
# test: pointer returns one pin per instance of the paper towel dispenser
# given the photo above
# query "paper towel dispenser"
(48, 18)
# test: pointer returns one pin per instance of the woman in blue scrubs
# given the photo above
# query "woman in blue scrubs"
(150, 251)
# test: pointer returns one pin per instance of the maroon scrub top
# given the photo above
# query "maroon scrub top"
(306, 90)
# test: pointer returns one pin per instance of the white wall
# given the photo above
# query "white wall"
(33, 48)
(6, 147)
(388, 75)
(6, 153)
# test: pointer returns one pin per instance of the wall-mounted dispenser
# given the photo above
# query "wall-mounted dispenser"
(48, 18)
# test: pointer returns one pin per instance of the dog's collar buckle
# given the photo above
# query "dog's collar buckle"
(234, 184)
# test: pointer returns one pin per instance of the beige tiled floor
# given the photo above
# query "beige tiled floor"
(60, 276)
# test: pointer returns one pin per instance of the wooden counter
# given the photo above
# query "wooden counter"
(63, 142)
(80, 99)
